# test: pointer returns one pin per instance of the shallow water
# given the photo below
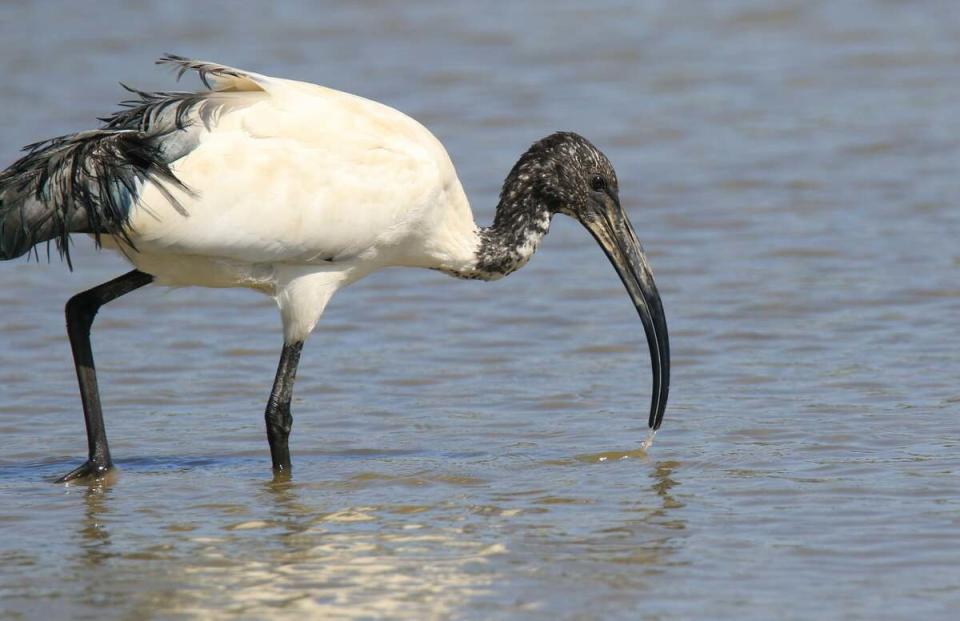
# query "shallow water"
(470, 451)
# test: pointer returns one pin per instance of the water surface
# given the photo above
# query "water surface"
(468, 450)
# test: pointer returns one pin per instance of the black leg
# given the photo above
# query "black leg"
(278, 416)
(81, 309)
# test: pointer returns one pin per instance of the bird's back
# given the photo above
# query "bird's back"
(255, 170)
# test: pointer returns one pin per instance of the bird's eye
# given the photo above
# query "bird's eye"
(598, 183)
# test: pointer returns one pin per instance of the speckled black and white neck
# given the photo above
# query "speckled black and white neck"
(548, 179)
(519, 225)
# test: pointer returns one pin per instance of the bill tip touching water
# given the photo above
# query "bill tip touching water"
(648, 441)
(365, 187)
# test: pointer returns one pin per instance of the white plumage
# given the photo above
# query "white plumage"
(298, 190)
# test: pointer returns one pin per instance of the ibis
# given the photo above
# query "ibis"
(294, 190)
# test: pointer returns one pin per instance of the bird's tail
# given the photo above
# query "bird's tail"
(80, 183)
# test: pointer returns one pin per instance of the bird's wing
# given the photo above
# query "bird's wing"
(290, 172)
(90, 180)
(253, 169)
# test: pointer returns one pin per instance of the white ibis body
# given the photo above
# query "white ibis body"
(294, 190)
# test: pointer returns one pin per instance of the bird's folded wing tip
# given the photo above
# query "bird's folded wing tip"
(214, 75)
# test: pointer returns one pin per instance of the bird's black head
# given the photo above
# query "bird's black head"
(567, 174)
(564, 173)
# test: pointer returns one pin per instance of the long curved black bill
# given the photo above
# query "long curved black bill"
(613, 231)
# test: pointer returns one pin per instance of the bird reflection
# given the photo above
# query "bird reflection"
(94, 534)
(289, 510)
(663, 483)
(649, 539)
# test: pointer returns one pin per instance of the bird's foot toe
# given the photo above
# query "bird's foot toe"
(88, 471)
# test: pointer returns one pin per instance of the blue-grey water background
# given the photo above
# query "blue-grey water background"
(468, 450)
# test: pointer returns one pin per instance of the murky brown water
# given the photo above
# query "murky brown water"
(792, 169)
